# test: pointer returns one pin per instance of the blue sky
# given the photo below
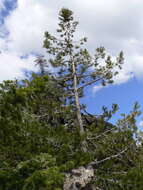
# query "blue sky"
(125, 95)
(8, 6)
(115, 24)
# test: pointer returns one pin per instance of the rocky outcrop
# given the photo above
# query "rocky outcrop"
(79, 179)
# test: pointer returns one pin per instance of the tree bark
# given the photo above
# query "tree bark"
(78, 110)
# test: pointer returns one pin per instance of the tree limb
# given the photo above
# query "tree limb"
(89, 83)
(107, 158)
(98, 136)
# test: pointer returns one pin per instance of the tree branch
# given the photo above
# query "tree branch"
(89, 83)
(107, 158)
(98, 136)
(70, 77)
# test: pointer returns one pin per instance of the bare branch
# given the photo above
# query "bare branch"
(74, 41)
(98, 136)
(89, 83)
(78, 76)
(107, 158)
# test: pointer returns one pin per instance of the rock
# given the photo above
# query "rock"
(79, 178)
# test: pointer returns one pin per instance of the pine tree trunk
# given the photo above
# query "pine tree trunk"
(78, 110)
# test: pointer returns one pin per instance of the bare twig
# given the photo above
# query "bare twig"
(107, 158)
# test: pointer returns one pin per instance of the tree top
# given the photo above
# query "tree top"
(65, 15)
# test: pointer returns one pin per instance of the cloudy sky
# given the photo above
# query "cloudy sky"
(115, 24)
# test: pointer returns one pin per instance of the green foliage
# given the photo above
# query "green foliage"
(39, 172)
(39, 141)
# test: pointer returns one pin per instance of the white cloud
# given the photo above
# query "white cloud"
(140, 124)
(124, 75)
(97, 88)
(12, 66)
(27, 25)
(137, 66)
(115, 24)
(108, 22)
